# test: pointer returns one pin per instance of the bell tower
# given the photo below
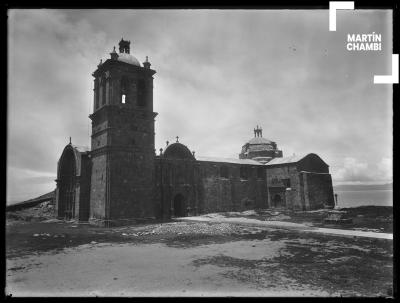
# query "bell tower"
(122, 145)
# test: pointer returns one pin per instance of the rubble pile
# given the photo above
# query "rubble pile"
(199, 228)
(337, 217)
(278, 217)
(188, 228)
(248, 213)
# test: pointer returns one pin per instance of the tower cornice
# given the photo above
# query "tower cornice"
(115, 107)
(109, 63)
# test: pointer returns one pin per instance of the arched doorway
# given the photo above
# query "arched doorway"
(67, 172)
(179, 206)
(277, 201)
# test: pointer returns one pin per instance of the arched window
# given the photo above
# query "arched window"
(286, 182)
(244, 174)
(124, 89)
(224, 171)
(96, 94)
(261, 173)
(103, 91)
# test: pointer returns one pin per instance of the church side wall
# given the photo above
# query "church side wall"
(275, 174)
(230, 193)
(319, 190)
(98, 187)
(176, 177)
(204, 189)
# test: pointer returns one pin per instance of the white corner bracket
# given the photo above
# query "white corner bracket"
(335, 5)
(394, 77)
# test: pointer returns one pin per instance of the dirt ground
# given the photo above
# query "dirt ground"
(55, 258)
(364, 218)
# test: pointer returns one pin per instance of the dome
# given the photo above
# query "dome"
(178, 151)
(259, 148)
(128, 58)
(259, 144)
(260, 140)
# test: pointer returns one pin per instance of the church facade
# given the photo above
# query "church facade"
(121, 179)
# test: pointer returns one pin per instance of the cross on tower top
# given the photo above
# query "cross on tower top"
(177, 139)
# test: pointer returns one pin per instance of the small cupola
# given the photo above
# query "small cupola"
(146, 64)
(114, 55)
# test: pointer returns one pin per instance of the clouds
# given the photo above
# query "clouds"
(24, 184)
(353, 171)
(49, 93)
(219, 73)
(385, 169)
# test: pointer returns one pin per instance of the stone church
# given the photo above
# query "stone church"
(121, 179)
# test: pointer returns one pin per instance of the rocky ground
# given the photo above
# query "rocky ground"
(41, 212)
(48, 257)
(364, 218)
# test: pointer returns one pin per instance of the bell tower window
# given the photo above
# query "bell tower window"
(124, 89)
(96, 94)
(103, 91)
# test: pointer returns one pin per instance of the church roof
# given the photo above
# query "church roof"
(128, 58)
(287, 160)
(81, 148)
(228, 160)
(178, 151)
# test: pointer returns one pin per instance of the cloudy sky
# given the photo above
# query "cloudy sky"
(219, 74)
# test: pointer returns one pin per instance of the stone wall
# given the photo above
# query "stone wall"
(205, 188)
(276, 185)
(232, 193)
(131, 184)
(318, 190)
(176, 177)
(98, 187)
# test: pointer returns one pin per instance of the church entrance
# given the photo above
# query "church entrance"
(278, 202)
(179, 206)
(67, 186)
